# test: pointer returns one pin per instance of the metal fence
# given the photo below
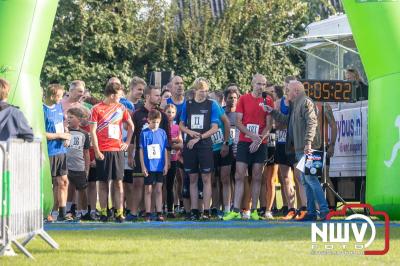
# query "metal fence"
(21, 195)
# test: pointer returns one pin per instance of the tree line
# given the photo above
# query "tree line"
(93, 40)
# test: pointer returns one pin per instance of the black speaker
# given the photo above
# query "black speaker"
(159, 79)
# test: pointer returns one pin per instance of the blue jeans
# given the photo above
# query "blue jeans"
(314, 192)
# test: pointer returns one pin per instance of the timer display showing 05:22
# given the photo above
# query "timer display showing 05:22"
(329, 90)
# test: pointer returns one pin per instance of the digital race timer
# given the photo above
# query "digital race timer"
(330, 90)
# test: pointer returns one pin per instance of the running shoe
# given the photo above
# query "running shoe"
(284, 210)
(232, 216)
(131, 217)
(268, 215)
(254, 216)
(87, 217)
(307, 218)
(246, 215)
(290, 215)
(160, 218)
(103, 218)
(171, 215)
(300, 215)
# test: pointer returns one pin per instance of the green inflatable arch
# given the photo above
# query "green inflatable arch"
(25, 28)
(376, 31)
(25, 33)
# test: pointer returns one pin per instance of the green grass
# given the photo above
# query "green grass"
(269, 246)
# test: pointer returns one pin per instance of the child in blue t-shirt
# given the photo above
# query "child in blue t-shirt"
(57, 141)
(154, 162)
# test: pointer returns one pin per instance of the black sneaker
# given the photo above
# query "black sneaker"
(275, 210)
(131, 218)
(119, 219)
(214, 212)
(308, 218)
(87, 217)
(66, 218)
(205, 217)
(103, 218)
(171, 215)
(188, 216)
(160, 218)
(194, 216)
(284, 210)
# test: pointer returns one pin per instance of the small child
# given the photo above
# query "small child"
(177, 146)
(78, 160)
(154, 162)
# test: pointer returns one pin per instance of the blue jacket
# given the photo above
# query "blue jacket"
(13, 123)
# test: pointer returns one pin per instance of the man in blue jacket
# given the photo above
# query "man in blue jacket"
(13, 123)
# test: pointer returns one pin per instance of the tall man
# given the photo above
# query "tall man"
(303, 136)
(254, 124)
(152, 97)
(199, 120)
(178, 96)
(136, 87)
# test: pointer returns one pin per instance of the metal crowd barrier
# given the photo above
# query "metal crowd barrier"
(21, 195)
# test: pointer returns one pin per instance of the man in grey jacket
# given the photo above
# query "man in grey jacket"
(13, 123)
(302, 138)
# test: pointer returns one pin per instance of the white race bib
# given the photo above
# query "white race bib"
(197, 121)
(114, 131)
(76, 142)
(154, 151)
(254, 128)
(59, 127)
(281, 136)
(217, 137)
(232, 133)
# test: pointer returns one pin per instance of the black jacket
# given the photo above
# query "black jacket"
(13, 123)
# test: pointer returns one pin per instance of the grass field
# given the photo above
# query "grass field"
(250, 243)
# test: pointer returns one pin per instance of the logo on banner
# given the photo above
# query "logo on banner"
(355, 235)
(396, 147)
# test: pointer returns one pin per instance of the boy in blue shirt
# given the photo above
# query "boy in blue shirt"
(57, 139)
(154, 161)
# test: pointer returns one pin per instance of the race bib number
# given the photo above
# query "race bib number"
(114, 132)
(154, 151)
(281, 136)
(217, 137)
(232, 133)
(271, 140)
(197, 121)
(76, 142)
(254, 128)
(59, 128)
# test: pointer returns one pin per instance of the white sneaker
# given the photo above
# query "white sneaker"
(268, 215)
(246, 215)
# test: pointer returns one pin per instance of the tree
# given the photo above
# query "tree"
(94, 40)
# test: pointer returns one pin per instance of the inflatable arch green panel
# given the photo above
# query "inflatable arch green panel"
(376, 31)
(25, 28)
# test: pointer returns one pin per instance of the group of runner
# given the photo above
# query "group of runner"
(157, 153)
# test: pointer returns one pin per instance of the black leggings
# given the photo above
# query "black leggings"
(170, 186)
